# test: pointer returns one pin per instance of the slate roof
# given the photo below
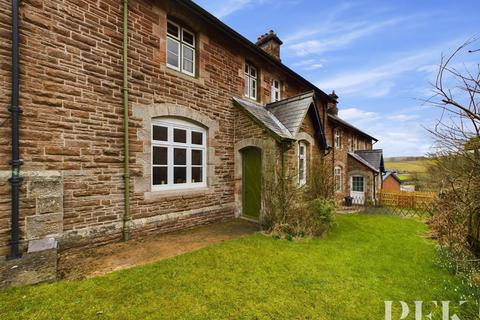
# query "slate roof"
(345, 123)
(363, 161)
(264, 117)
(370, 158)
(292, 111)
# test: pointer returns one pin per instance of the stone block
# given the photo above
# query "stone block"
(31, 268)
(40, 226)
(45, 188)
(49, 205)
(42, 245)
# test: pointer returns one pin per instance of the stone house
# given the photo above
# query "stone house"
(206, 110)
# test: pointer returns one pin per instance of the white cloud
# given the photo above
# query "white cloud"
(401, 138)
(402, 117)
(355, 114)
(377, 81)
(310, 64)
(340, 38)
(224, 8)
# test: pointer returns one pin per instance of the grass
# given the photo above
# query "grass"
(365, 260)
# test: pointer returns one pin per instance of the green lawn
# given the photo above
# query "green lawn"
(365, 260)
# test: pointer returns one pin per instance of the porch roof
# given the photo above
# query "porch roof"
(292, 111)
(264, 118)
(363, 161)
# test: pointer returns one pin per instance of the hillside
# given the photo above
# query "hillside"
(407, 165)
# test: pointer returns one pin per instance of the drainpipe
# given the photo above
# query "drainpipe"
(15, 111)
(126, 159)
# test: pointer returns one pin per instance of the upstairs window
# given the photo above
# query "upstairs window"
(276, 91)
(350, 144)
(338, 179)
(338, 139)
(180, 49)
(178, 155)
(302, 163)
(251, 76)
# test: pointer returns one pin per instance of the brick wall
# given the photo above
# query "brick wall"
(391, 185)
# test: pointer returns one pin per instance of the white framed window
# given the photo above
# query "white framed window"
(338, 138)
(338, 179)
(276, 91)
(358, 184)
(178, 155)
(251, 76)
(180, 49)
(302, 163)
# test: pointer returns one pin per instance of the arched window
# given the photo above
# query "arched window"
(178, 154)
(338, 179)
(302, 163)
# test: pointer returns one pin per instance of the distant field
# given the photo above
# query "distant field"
(412, 166)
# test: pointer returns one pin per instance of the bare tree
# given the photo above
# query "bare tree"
(457, 135)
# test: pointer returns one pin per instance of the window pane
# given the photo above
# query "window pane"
(180, 156)
(160, 133)
(173, 49)
(180, 135)
(246, 68)
(197, 157)
(197, 174)
(188, 53)
(253, 89)
(160, 155)
(172, 29)
(302, 149)
(188, 38)
(160, 175)
(247, 84)
(197, 138)
(179, 175)
(301, 172)
(253, 72)
(188, 66)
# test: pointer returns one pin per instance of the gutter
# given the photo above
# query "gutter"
(126, 156)
(16, 179)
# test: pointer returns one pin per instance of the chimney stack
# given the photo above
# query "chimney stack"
(332, 105)
(270, 43)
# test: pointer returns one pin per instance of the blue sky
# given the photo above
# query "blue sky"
(379, 56)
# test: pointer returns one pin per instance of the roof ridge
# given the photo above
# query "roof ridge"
(292, 98)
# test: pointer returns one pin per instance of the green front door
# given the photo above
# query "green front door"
(252, 182)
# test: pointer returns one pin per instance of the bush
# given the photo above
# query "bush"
(307, 218)
(323, 214)
(291, 211)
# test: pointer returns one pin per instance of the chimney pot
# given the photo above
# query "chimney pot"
(270, 43)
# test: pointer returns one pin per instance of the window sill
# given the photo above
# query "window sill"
(179, 193)
(184, 76)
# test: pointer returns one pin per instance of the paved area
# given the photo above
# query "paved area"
(87, 263)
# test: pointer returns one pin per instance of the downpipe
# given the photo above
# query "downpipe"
(15, 179)
(126, 163)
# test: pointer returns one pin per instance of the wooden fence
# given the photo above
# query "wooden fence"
(407, 200)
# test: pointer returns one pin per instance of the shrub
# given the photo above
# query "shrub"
(323, 212)
(291, 211)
